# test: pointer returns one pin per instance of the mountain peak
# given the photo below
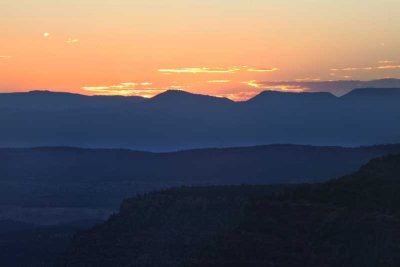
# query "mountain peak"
(184, 96)
(173, 93)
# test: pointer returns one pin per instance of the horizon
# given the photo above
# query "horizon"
(342, 91)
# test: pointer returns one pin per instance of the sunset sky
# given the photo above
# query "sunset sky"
(217, 47)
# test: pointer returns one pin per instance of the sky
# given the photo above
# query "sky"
(217, 47)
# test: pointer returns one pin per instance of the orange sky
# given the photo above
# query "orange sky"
(218, 47)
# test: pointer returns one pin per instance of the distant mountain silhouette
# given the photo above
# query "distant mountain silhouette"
(339, 87)
(372, 92)
(272, 96)
(279, 101)
(177, 97)
(176, 120)
(374, 99)
(60, 100)
(255, 225)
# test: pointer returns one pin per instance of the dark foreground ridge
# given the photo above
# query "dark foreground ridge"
(351, 221)
(48, 194)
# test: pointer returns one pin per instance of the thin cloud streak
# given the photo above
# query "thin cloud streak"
(200, 70)
(72, 41)
(103, 90)
(252, 83)
(389, 67)
(276, 87)
(287, 88)
(386, 62)
(124, 89)
(308, 80)
(383, 67)
(262, 70)
(219, 81)
(218, 70)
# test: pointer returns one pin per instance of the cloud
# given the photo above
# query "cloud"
(308, 79)
(200, 70)
(381, 67)
(125, 89)
(386, 62)
(252, 83)
(388, 67)
(72, 41)
(287, 88)
(217, 70)
(129, 84)
(352, 69)
(146, 83)
(262, 70)
(295, 88)
(5, 57)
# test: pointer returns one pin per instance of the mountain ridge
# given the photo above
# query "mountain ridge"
(171, 93)
(180, 120)
(100, 178)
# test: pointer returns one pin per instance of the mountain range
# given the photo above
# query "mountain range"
(176, 120)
